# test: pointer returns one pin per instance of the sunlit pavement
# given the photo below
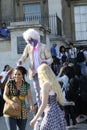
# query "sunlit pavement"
(3, 124)
(81, 126)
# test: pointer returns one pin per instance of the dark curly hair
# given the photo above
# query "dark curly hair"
(61, 48)
(22, 69)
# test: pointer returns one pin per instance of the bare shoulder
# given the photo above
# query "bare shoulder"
(46, 86)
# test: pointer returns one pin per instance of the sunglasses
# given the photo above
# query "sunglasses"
(33, 42)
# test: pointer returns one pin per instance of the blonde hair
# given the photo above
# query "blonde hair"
(46, 73)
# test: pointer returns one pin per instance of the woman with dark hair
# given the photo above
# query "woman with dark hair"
(64, 76)
(72, 52)
(67, 75)
(63, 55)
(17, 86)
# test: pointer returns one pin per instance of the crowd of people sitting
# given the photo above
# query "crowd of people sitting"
(70, 55)
(71, 73)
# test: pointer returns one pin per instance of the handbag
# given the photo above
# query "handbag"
(10, 111)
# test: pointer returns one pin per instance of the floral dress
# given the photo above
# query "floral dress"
(21, 94)
(53, 116)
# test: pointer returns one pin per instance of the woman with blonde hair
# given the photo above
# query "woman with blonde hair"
(52, 99)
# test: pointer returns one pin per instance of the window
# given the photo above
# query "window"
(20, 45)
(80, 15)
(32, 11)
(43, 39)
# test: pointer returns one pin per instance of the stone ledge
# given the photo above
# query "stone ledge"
(5, 39)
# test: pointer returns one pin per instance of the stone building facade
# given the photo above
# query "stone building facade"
(74, 16)
(19, 15)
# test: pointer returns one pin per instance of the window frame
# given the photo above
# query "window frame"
(26, 2)
(32, 14)
(80, 22)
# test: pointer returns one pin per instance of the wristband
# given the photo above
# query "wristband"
(43, 62)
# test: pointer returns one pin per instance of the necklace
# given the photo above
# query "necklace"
(19, 85)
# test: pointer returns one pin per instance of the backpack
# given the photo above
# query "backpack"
(77, 89)
(72, 91)
(80, 57)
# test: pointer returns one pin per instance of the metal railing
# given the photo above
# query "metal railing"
(51, 22)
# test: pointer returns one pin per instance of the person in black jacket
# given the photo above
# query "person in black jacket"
(81, 60)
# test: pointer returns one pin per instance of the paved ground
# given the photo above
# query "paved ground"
(3, 125)
(81, 126)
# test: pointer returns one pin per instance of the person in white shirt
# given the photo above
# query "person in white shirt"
(72, 53)
(4, 72)
(63, 55)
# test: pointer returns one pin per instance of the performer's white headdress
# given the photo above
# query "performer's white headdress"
(31, 33)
